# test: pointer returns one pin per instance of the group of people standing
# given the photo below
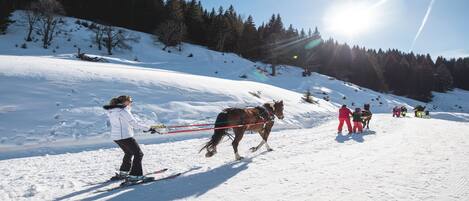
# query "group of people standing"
(360, 118)
(419, 111)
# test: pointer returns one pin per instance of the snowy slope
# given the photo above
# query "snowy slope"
(55, 134)
(204, 62)
(52, 97)
(396, 161)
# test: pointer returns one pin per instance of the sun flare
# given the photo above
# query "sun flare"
(350, 19)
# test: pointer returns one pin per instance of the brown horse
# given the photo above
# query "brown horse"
(259, 119)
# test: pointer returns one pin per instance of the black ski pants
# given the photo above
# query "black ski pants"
(131, 149)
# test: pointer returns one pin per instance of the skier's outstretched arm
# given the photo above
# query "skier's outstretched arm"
(133, 122)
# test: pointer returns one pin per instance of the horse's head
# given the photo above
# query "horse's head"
(278, 109)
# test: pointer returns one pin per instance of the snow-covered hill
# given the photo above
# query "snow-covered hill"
(51, 97)
(51, 116)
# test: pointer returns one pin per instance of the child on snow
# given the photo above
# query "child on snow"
(357, 121)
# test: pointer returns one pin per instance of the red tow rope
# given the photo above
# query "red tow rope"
(188, 125)
(205, 129)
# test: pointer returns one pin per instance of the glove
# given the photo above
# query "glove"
(158, 126)
(152, 131)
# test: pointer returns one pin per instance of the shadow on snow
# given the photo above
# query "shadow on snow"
(358, 137)
(181, 187)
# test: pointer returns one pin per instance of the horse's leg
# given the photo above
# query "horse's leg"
(239, 132)
(267, 144)
(268, 147)
(267, 130)
(253, 149)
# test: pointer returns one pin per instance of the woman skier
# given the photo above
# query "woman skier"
(357, 121)
(344, 116)
(122, 125)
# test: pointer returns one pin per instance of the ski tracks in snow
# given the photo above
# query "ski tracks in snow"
(400, 159)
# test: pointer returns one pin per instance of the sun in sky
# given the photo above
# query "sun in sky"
(351, 19)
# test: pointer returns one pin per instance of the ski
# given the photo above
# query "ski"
(116, 178)
(126, 184)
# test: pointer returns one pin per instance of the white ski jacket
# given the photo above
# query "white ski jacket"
(123, 123)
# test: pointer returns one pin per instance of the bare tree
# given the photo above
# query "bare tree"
(49, 16)
(31, 17)
(117, 38)
(98, 35)
(171, 33)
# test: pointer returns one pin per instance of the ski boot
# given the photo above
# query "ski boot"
(120, 176)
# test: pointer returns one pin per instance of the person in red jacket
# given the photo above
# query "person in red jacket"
(344, 116)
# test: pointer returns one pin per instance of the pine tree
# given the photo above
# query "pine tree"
(443, 78)
(391, 75)
(234, 24)
(339, 66)
(174, 10)
(6, 8)
(290, 32)
(219, 30)
(249, 43)
(195, 23)
(302, 33)
(148, 14)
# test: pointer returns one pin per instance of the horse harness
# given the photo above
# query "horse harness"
(265, 114)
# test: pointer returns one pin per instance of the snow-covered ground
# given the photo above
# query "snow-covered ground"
(56, 135)
(399, 159)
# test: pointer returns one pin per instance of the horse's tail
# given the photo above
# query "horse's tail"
(222, 120)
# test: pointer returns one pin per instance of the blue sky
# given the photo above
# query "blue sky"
(394, 23)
